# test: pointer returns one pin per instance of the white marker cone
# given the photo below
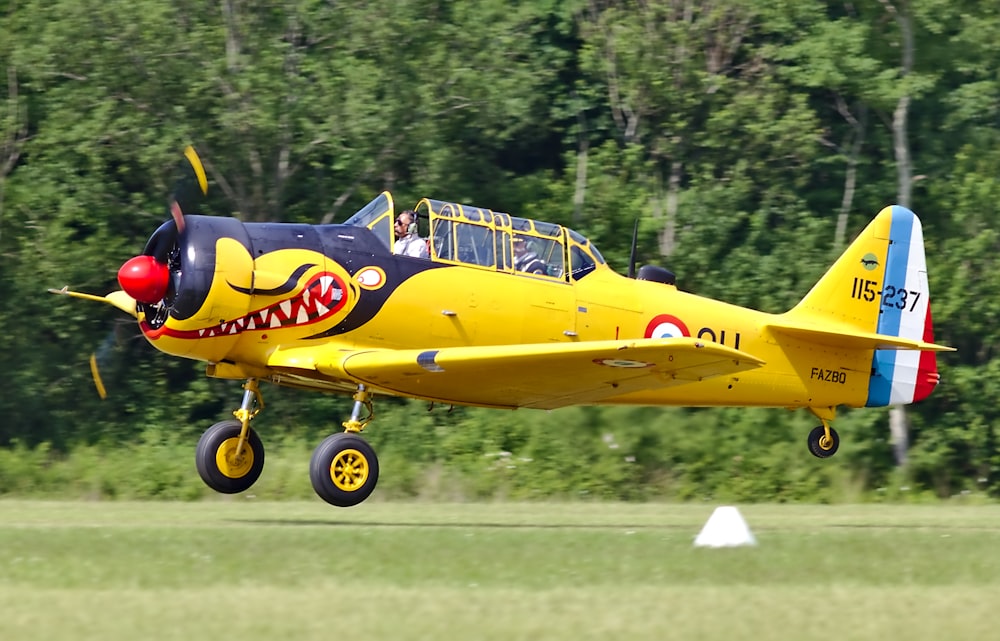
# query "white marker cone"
(725, 528)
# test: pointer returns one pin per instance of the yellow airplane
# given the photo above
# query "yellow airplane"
(333, 308)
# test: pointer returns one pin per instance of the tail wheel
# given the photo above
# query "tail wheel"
(344, 469)
(822, 446)
(217, 460)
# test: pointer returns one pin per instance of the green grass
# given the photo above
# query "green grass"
(249, 570)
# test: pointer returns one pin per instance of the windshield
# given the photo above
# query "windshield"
(376, 216)
(372, 211)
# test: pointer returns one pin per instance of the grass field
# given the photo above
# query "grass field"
(245, 570)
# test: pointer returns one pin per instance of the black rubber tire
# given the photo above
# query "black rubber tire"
(344, 469)
(815, 438)
(240, 477)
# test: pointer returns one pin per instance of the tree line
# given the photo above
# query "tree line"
(750, 140)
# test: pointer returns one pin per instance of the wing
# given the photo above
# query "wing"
(545, 376)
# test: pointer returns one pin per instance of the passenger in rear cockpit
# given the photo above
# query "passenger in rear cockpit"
(408, 241)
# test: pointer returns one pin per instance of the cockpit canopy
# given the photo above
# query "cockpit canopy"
(485, 239)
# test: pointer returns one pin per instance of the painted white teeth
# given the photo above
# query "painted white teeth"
(315, 301)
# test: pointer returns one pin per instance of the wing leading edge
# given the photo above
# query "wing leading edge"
(544, 376)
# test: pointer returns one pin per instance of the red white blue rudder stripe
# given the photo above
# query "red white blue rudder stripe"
(904, 376)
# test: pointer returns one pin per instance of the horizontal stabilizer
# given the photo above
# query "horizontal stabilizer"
(848, 337)
(546, 375)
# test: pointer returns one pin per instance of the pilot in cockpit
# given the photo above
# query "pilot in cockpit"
(408, 241)
(526, 260)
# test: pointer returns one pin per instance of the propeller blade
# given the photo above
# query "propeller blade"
(101, 358)
(198, 168)
(177, 215)
(118, 299)
(189, 188)
(94, 371)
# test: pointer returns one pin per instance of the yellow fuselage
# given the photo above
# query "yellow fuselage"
(461, 306)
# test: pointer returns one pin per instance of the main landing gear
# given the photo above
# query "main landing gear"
(343, 469)
(823, 440)
(230, 455)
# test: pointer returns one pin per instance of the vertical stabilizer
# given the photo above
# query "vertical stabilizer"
(879, 284)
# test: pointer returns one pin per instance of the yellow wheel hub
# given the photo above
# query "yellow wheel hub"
(349, 470)
(825, 443)
(232, 466)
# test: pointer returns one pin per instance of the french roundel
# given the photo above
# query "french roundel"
(666, 326)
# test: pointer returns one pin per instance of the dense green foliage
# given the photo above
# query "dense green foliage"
(750, 139)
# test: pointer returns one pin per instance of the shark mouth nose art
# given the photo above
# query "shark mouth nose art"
(322, 297)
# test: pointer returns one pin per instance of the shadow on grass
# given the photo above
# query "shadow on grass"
(458, 525)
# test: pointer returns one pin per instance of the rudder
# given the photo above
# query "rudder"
(900, 377)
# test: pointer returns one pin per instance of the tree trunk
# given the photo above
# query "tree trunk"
(580, 191)
(13, 134)
(668, 237)
(899, 429)
(857, 139)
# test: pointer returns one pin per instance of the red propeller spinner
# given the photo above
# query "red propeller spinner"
(144, 279)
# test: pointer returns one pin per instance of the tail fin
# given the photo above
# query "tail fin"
(876, 296)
